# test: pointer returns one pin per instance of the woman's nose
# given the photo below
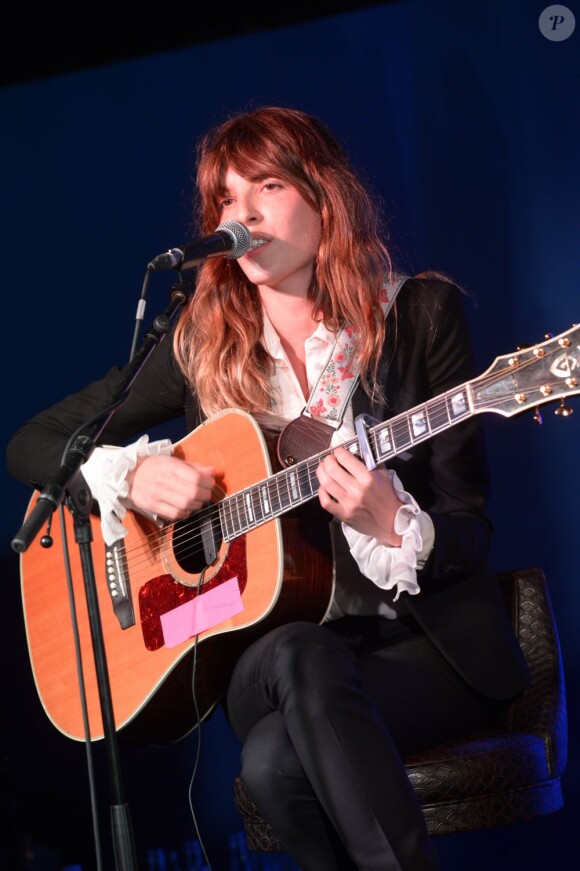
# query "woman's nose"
(248, 212)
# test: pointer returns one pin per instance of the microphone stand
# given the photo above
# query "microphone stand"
(70, 486)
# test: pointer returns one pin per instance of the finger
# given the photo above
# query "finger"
(175, 496)
(191, 480)
(335, 472)
(351, 463)
(194, 472)
(330, 503)
(331, 486)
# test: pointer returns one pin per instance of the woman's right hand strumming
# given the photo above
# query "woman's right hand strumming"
(169, 487)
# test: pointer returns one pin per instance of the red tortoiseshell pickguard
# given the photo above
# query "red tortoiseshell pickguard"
(164, 593)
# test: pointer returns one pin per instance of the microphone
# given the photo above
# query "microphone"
(230, 240)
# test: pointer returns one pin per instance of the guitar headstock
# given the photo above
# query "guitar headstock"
(531, 376)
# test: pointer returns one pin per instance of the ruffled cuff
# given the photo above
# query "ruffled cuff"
(106, 474)
(395, 567)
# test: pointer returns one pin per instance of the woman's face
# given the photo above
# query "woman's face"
(276, 214)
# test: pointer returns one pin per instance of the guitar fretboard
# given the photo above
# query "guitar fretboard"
(397, 435)
(292, 487)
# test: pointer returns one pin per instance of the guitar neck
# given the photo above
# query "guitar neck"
(528, 377)
(298, 484)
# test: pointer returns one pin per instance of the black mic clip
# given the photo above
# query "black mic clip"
(230, 240)
(169, 260)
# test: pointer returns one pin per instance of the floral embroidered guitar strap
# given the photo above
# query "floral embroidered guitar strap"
(332, 392)
(312, 432)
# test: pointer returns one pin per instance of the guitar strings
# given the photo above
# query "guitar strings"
(301, 473)
(187, 528)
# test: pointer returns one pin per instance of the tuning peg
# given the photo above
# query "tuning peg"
(563, 410)
(537, 416)
(526, 345)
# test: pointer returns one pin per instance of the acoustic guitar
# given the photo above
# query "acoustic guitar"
(179, 604)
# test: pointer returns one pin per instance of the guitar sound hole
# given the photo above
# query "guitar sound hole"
(196, 541)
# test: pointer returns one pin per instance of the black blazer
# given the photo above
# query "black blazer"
(427, 352)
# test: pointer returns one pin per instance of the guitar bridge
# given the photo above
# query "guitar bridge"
(117, 573)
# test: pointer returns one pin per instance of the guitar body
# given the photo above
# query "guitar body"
(281, 571)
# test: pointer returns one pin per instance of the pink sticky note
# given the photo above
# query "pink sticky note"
(206, 610)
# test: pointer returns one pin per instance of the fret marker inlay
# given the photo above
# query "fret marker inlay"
(458, 404)
(419, 424)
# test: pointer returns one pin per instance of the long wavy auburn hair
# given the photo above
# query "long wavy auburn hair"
(218, 337)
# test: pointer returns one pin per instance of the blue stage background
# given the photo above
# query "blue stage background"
(465, 120)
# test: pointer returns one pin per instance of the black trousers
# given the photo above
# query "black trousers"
(325, 714)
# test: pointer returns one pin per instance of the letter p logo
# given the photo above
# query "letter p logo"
(557, 23)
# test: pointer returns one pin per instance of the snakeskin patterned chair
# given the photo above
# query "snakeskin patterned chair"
(510, 772)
